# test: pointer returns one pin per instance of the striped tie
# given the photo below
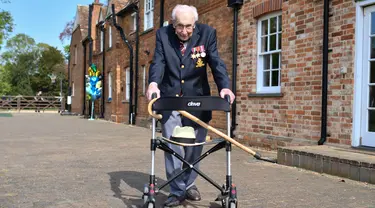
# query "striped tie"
(182, 48)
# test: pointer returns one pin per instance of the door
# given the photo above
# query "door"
(368, 79)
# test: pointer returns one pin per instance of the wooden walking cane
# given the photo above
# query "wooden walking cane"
(210, 128)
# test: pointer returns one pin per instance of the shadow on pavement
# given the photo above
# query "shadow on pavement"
(136, 180)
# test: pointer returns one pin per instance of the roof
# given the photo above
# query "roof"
(119, 5)
(81, 19)
(129, 8)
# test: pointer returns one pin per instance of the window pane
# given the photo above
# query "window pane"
(264, 44)
(273, 24)
(373, 47)
(280, 23)
(266, 62)
(371, 121)
(275, 61)
(275, 78)
(266, 79)
(273, 42)
(372, 96)
(372, 72)
(264, 27)
(279, 43)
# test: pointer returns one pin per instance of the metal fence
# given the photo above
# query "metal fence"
(32, 103)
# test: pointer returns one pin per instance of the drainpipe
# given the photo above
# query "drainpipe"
(90, 49)
(103, 72)
(84, 79)
(236, 7)
(130, 60)
(161, 13)
(136, 64)
(323, 136)
(69, 85)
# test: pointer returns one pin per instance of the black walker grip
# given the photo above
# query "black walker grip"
(154, 95)
(227, 98)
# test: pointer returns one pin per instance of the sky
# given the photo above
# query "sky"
(43, 20)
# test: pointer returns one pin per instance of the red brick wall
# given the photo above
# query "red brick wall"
(76, 71)
(296, 115)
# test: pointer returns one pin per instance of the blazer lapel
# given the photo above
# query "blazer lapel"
(193, 41)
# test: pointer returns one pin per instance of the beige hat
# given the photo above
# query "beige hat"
(184, 132)
(184, 136)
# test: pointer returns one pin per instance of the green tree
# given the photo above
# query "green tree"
(30, 66)
(21, 60)
(50, 65)
(5, 86)
(6, 24)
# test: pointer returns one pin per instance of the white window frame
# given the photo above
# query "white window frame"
(358, 75)
(127, 84)
(260, 76)
(134, 21)
(110, 85)
(101, 41)
(110, 37)
(149, 13)
(144, 80)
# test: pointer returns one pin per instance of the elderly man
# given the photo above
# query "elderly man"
(179, 68)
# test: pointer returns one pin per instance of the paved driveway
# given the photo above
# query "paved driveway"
(53, 161)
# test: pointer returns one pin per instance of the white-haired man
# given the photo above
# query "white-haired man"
(179, 68)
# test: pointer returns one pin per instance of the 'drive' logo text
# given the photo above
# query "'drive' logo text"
(194, 104)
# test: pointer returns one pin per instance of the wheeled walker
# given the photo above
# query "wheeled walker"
(228, 192)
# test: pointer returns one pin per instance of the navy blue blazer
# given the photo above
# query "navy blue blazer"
(176, 74)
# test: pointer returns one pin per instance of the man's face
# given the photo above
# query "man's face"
(184, 25)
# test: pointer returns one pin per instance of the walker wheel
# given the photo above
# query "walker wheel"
(226, 203)
(145, 195)
(150, 205)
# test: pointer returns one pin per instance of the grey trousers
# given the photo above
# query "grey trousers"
(173, 165)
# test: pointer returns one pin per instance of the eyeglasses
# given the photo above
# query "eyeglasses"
(181, 27)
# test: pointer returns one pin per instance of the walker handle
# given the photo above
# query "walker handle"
(227, 98)
(154, 98)
(154, 95)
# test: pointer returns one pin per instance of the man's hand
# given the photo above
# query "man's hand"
(226, 91)
(152, 88)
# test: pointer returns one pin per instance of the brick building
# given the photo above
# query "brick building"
(290, 69)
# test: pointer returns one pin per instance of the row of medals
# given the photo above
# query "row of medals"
(199, 54)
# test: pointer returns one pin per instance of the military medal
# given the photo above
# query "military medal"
(198, 52)
(193, 56)
(203, 54)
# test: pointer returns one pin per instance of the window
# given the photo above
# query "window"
(127, 93)
(134, 20)
(101, 41)
(110, 86)
(72, 88)
(110, 37)
(269, 53)
(149, 14)
(75, 54)
(144, 80)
